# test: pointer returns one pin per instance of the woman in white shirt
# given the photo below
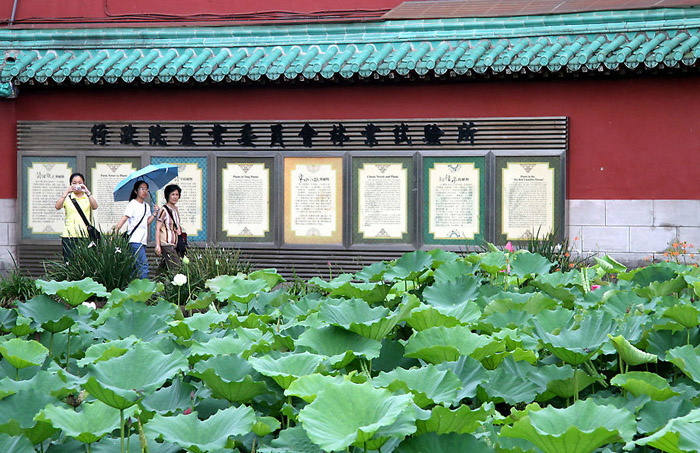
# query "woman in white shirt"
(137, 216)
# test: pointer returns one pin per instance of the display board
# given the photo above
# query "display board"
(454, 200)
(313, 200)
(103, 175)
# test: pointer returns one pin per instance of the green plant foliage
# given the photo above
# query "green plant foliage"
(15, 444)
(17, 285)
(21, 353)
(687, 359)
(447, 344)
(285, 369)
(230, 377)
(463, 420)
(454, 443)
(644, 383)
(73, 293)
(339, 345)
(429, 385)
(679, 435)
(89, 425)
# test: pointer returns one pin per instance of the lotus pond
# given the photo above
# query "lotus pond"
(434, 352)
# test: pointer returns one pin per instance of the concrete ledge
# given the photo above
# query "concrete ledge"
(629, 212)
(586, 212)
(684, 213)
(651, 239)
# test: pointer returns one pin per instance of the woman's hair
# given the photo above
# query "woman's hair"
(135, 190)
(170, 188)
(70, 180)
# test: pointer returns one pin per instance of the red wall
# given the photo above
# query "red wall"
(629, 138)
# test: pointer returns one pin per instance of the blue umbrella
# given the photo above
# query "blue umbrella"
(156, 176)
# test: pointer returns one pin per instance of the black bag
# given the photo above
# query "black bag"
(181, 246)
(93, 233)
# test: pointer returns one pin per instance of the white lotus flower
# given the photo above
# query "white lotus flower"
(91, 305)
(179, 280)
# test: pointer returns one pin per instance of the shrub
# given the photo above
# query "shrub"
(109, 261)
(16, 285)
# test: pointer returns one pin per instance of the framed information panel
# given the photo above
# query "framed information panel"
(192, 179)
(313, 200)
(529, 197)
(43, 181)
(103, 175)
(244, 191)
(454, 206)
(383, 200)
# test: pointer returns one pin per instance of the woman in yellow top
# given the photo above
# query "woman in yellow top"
(74, 229)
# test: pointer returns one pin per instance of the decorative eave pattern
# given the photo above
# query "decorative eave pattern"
(561, 43)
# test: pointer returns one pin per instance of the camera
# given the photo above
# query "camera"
(77, 187)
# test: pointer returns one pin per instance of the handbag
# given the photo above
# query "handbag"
(92, 232)
(181, 246)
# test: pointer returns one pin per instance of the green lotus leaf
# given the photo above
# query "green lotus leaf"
(441, 256)
(52, 316)
(74, 293)
(139, 290)
(373, 293)
(424, 317)
(429, 385)
(171, 399)
(108, 350)
(558, 292)
(15, 444)
(113, 444)
(372, 273)
(493, 262)
(340, 345)
(202, 322)
(563, 381)
(269, 276)
(265, 425)
(202, 300)
(575, 346)
(663, 288)
(120, 384)
(644, 383)
(52, 381)
(453, 443)
(22, 326)
(687, 359)
(230, 377)
(469, 371)
(462, 420)
(8, 318)
(145, 322)
(510, 319)
(286, 368)
(526, 264)
(679, 435)
(357, 316)
(17, 413)
(226, 345)
(334, 283)
(655, 414)
(235, 288)
(291, 440)
(199, 436)
(409, 266)
(89, 425)
(609, 265)
(684, 314)
(580, 428)
(447, 344)
(452, 270)
(345, 413)
(513, 382)
(23, 353)
(454, 292)
(629, 354)
(618, 302)
(307, 387)
(551, 320)
(302, 308)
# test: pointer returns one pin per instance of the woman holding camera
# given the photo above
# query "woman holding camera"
(74, 229)
(168, 228)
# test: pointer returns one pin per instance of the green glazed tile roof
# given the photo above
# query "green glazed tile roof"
(598, 41)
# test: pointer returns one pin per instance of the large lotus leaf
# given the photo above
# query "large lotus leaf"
(629, 354)
(513, 382)
(684, 314)
(425, 316)
(493, 262)
(340, 345)
(120, 382)
(74, 293)
(619, 302)
(660, 342)
(17, 414)
(140, 320)
(453, 443)
(609, 265)
(94, 420)
(230, 377)
(447, 344)
(580, 428)
(171, 399)
(663, 288)
(113, 444)
(8, 318)
(265, 425)
(229, 345)
(301, 308)
(345, 413)
(357, 316)
(139, 290)
(681, 434)
(658, 272)
(509, 319)
(575, 346)
(196, 435)
(52, 316)
(469, 371)
(429, 385)
(551, 320)
(409, 266)
(644, 383)
(107, 350)
(687, 359)
(51, 381)
(307, 387)
(202, 322)
(269, 276)
(22, 326)
(291, 440)
(462, 420)
(23, 353)
(286, 368)
(370, 292)
(235, 288)
(452, 270)
(525, 264)
(15, 444)
(655, 414)
(558, 292)
(563, 381)
(334, 283)
(453, 292)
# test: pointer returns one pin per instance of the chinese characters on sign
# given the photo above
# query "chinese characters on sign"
(250, 135)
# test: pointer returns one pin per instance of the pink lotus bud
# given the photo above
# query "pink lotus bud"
(187, 411)
(509, 247)
(594, 287)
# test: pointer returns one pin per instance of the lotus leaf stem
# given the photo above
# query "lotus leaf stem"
(68, 349)
(121, 428)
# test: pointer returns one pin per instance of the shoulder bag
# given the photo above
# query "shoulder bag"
(181, 246)
(92, 232)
